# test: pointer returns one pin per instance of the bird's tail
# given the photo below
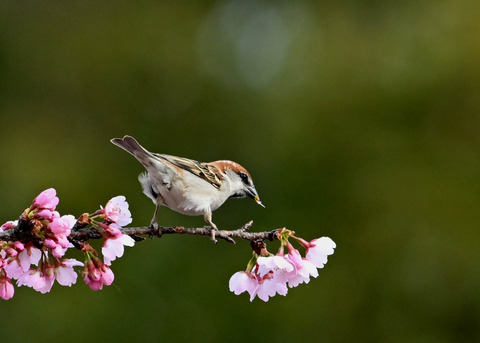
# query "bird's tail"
(130, 144)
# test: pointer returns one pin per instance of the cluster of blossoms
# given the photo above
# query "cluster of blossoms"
(268, 274)
(38, 260)
(34, 252)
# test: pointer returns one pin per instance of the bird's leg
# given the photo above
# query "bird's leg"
(213, 228)
(153, 222)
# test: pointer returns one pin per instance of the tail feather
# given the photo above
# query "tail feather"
(129, 144)
(157, 167)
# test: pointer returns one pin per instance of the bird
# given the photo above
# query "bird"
(188, 186)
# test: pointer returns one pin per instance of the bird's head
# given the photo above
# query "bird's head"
(241, 183)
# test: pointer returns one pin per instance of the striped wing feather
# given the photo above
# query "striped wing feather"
(203, 170)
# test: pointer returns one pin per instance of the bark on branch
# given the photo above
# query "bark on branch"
(80, 233)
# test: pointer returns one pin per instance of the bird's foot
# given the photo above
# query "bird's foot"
(213, 231)
(155, 231)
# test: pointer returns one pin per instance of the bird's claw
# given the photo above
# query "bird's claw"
(213, 231)
(154, 230)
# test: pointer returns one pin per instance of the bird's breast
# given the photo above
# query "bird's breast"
(191, 195)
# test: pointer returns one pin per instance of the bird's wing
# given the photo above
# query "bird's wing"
(203, 170)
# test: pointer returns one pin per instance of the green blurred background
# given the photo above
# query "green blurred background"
(359, 120)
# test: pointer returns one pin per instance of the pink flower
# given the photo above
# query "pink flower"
(113, 247)
(303, 268)
(318, 250)
(6, 288)
(241, 282)
(65, 274)
(62, 225)
(56, 238)
(40, 279)
(30, 255)
(19, 246)
(272, 274)
(62, 240)
(9, 225)
(13, 268)
(16, 266)
(117, 211)
(269, 286)
(47, 214)
(58, 251)
(112, 230)
(57, 245)
(96, 274)
(12, 263)
(46, 200)
(271, 263)
(9, 251)
(264, 286)
(49, 243)
(267, 278)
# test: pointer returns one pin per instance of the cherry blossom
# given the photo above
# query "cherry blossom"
(65, 274)
(12, 224)
(262, 286)
(44, 237)
(6, 287)
(30, 255)
(242, 281)
(266, 279)
(10, 254)
(62, 225)
(46, 214)
(112, 230)
(114, 247)
(46, 200)
(38, 266)
(267, 264)
(268, 275)
(268, 286)
(303, 268)
(96, 274)
(40, 279)
(318, 251)
(55, 234)
(117, 211)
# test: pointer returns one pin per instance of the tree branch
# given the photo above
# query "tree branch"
(227, 235)
(81, 234)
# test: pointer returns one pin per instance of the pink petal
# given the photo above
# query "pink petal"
(13, 269)
(318, 251)
(46, 199)
(66, 275)
(6, 288)
(271, 263)
(127, 241)
(116, 210)
(94, 285)
(71, 262)
(107, 275)
(45, 214)
(62, 225)
(112, 249)
(9, 225)
(58, 251)
(241, 282)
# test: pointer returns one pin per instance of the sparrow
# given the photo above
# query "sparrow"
(188, 186)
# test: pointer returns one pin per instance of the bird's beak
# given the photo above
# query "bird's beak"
(252, 193)
(257, 199)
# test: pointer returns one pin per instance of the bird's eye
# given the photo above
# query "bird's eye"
(243, 176)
